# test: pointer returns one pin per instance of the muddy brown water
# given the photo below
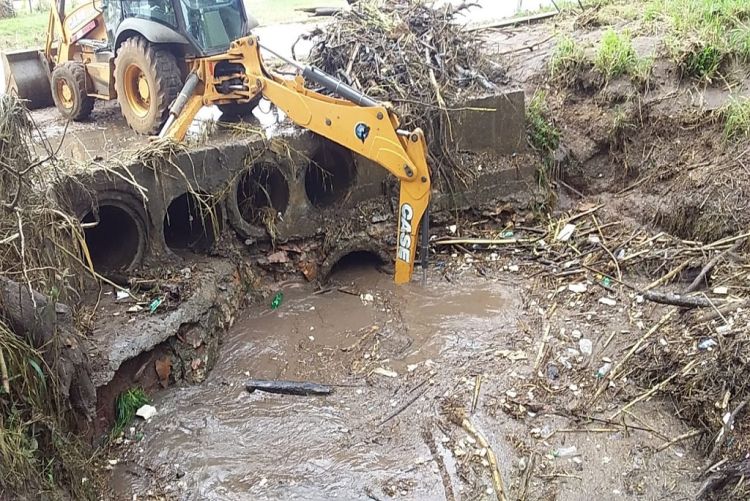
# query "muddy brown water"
(216, 441)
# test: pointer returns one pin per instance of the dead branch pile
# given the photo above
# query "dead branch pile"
(43, 367)
(416, 57)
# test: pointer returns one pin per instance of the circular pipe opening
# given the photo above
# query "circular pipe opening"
(262, 192)
(114, 243)
(329, 175)
(191, 223)
(355, 263)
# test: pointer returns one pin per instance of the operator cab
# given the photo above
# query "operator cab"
(206, 27)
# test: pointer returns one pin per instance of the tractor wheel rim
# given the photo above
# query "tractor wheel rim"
(137, 91)
(65, 93)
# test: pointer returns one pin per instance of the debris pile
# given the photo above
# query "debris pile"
(686, 311)
(43, 366)
(417, 57)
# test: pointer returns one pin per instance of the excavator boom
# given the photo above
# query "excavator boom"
(357, 122)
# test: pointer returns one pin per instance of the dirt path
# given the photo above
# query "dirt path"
(216, 441)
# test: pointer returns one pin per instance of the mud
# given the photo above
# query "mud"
(381, 347)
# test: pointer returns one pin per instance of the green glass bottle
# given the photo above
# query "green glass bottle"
(277, 298)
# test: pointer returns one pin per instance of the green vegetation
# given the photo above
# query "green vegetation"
(128, 402)
(567, 60)
(615, 56)
(543, 136)
(26, 31)
(37, 454)
(704, 33)
(736, 116)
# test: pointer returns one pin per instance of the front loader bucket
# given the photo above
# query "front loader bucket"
(26, 76)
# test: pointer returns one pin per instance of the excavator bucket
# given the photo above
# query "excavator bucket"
(26, 75)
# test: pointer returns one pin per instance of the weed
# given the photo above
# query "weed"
(736, 115)
(567, 60)
(128, 402)
(543, 137)
(702, 62)
(615, 56)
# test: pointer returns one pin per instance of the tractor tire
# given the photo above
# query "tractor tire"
(147, 80)
(69, 85)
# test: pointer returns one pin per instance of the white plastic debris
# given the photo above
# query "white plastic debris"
(586, 346)
(607, 301)
(722, 291)
(707, 344)
(122, 294)
(604, 370)
(135, 308)
(578, 288)
(514, 268)
(566, 232)
(452, 228)
(146, 411)
(566, 452)
(381, 371)
(366, 298)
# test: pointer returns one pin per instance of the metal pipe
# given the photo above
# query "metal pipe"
(327, 81)
(179, 103)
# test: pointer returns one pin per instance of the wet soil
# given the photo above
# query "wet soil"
(382, 347)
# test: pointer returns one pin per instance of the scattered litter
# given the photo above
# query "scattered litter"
(385, 372)
(186, 273)
(565, 233)
(122, 294)
(366, 298)
(146, 411)
(586, 346)
(576, 334)
(508, 234)
(565, 452)
(113, 461)
(412, 367)
(287, 387)
(608, 301)
(155, 304)
(452, 228)
(707, 344)
(277, 299)
(135, 308)
(722, 291)
(514, 268)
(578, 288)
(594, 240)
(603, 370)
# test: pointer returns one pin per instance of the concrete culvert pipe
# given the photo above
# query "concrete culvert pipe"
(330, 175)
(116, 241)
(262, 192)
(191, 224)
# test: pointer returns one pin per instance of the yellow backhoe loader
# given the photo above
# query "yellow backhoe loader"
(165, 59)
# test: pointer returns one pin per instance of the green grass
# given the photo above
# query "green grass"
(543, 137)
(615, 55)
(128, 402)
(567, 60)
(26, 31)
(736, 116)
(703, 34)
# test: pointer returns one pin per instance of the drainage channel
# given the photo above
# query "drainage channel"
(192, 223)
(115, 237)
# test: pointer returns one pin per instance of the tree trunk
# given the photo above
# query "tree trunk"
(49, 327)
(6, 9)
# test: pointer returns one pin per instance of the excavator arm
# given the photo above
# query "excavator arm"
(358, 123)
